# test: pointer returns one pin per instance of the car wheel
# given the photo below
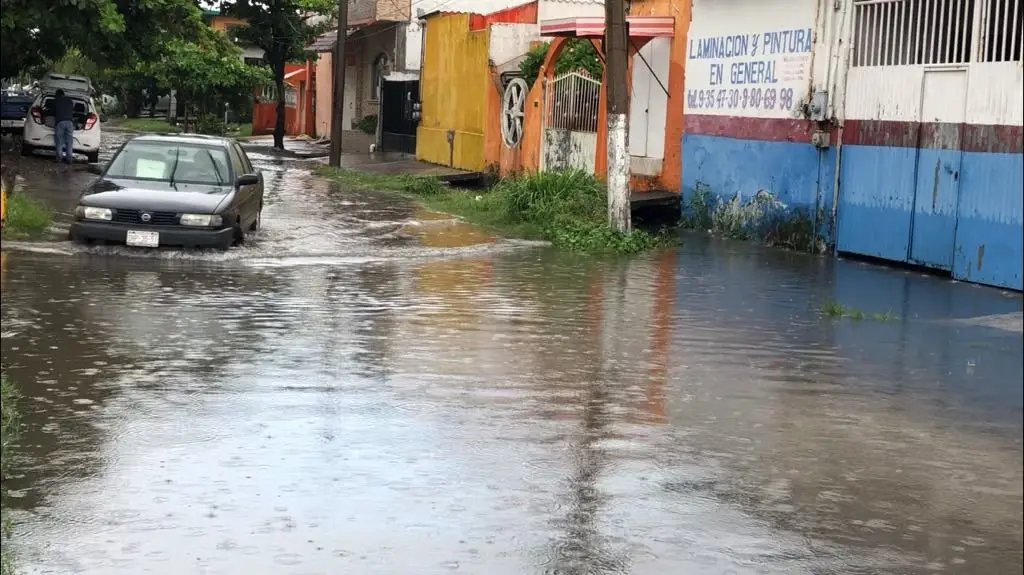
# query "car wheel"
(27, 150)
(258, 222)
(239, 233)
(93, 157)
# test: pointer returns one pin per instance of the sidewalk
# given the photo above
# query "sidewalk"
(304, 147)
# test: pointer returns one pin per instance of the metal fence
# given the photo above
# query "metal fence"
(916, 32)
(572, 102)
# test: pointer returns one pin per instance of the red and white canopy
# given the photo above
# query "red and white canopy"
(593, 27)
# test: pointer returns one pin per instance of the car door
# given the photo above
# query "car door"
(257, 196)
(244, 194)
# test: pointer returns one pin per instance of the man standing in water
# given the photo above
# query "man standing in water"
(64, 127)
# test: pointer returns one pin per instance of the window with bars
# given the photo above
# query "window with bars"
(1004, 31)
(914, 32)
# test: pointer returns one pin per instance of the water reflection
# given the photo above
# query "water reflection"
(533, 412)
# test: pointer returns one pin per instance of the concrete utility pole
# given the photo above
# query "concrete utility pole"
(617, 93)
(338, 96)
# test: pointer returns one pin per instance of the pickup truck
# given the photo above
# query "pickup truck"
(14, 108)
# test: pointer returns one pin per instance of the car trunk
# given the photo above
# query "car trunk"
(15, 106)
(81, 114)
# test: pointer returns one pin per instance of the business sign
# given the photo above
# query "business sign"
(762, 73)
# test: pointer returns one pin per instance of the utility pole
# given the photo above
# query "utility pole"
(617, 94)
(338, 91)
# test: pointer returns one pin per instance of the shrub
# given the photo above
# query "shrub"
(27, 217)
(368, 125)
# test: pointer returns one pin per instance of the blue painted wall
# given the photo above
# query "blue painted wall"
(945, 209)
(876, 201)
(990, 234)
(797, 174)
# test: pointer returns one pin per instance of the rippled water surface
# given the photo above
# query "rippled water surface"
(371, 388)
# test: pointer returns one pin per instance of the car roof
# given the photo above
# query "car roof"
(201, 139)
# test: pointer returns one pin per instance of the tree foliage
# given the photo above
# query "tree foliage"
(110, 33)
(210, 70)
(283, 29)
(578, 55)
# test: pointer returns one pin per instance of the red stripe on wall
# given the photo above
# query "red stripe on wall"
(967, 137)
(764, 129)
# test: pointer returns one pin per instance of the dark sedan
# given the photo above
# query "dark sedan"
(166, 190)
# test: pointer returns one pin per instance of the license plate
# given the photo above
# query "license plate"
(142, 239)
(12, 123)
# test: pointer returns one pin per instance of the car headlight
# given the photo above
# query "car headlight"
(200, 220)
(90, 213)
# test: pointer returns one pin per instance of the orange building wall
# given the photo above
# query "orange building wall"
(298, 119)
(680, 10)
(527, 156)
(222, 22)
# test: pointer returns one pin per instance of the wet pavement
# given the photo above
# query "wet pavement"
(368, 387)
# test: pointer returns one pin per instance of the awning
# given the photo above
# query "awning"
(593, 27)
(295, 76)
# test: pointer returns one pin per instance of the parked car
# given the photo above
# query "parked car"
(38, 126)
(14, 108)
(69, 82)
(167, 190)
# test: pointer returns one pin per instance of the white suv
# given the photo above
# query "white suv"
(39, 122)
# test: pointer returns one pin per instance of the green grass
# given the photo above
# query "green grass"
(566, 208)
(837, 310)
(10, 422)
(240, 130)
(27, 218)
(158, 125)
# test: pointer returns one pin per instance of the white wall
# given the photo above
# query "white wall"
(555, 9)
(995, 90)
(750, 58)
(510, 41)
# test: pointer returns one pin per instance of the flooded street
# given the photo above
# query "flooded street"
(369, 387)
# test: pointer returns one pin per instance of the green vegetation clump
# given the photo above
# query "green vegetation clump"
(566, 208)
(762, 217)
(145, 125)
(27, 218)
(368, 125)
(578, 54)
(10, 422)
(834, 309)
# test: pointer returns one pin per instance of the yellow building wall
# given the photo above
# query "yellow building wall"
(453, 84)
(222, 22)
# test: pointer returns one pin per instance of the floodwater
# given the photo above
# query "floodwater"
(370, 388)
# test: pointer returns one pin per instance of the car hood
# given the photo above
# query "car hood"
(156, 196)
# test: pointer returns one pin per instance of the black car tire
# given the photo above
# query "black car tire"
(258, 222)
(239, 234)
(27, 150)
(93, 157)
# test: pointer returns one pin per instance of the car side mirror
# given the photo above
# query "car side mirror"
(247, 180)
(96, 168)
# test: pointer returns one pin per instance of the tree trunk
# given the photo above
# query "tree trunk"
(132, 104)
(279, 124)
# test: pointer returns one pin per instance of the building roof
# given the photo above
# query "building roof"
(325, 42)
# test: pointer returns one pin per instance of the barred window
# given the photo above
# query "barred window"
(914, 32)
(1003, 23)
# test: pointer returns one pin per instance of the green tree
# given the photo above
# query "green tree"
(35, 32)
(206, 74)
(283, 29)
(111, 33)
(578, 54)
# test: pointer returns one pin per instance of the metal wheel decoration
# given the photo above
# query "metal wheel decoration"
(513, 102)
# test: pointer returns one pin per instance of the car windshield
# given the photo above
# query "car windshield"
(171, 162)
